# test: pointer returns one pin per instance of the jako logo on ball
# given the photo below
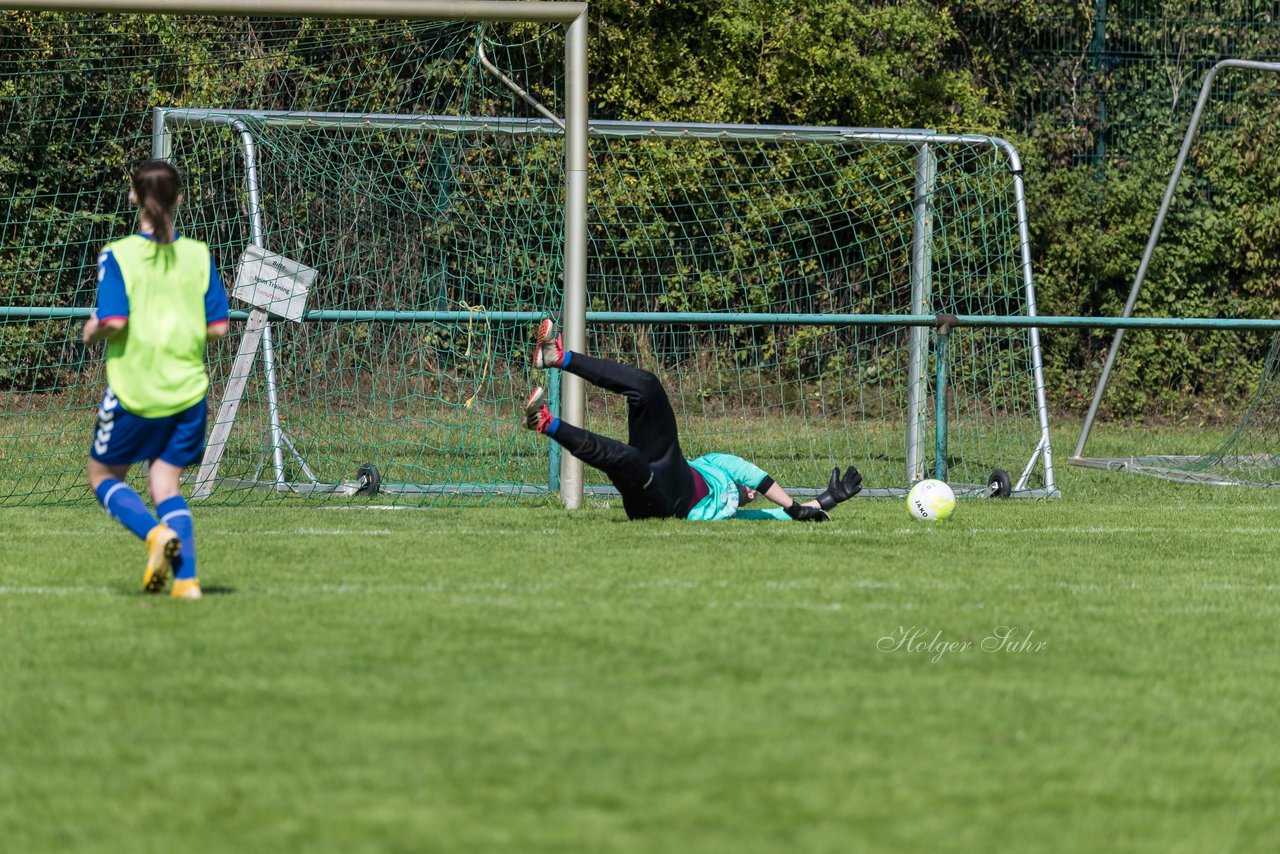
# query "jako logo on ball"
(931, 501)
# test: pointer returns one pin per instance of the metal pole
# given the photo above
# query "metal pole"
(257, 330)
(940, 402)
(273, 406)
(692, 318)
(513, 85)
(574, 316)
(420, 10)
(161, 139)
(1192, 127)
(258, 232)
(918, 337)
(603, 127)
(1037, 361)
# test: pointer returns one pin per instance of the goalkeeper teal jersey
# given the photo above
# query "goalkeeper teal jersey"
(724, 473)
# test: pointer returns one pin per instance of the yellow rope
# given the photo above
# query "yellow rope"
(488, 355)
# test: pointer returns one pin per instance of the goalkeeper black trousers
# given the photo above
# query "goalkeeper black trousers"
(649, 469)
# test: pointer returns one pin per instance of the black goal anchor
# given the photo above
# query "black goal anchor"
(999, 485)
(368, 479)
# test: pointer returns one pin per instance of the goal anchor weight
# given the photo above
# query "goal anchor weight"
(999, 485)
(368, 480)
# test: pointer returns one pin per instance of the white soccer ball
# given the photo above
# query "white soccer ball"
(931, 501)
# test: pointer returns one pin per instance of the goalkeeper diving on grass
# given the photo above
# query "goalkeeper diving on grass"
(160, 301)
(649, 470)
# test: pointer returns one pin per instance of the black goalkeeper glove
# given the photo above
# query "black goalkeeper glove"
(841, 488)
(805, 513)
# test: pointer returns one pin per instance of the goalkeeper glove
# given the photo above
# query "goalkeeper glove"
(841, 488)
(805, 513)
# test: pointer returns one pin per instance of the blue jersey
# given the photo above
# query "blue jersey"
(113, 298)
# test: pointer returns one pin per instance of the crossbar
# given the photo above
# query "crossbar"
(602, 128)
(550, 11)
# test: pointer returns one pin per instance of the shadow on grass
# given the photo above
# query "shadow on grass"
(217, 590)
(135, 593)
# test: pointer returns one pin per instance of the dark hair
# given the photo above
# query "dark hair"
(157, 184)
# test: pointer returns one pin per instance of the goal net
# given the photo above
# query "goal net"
(758, 271)
(1210, 251)
(394, 222)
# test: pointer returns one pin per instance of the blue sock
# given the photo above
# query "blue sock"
(552, 427)
(125, 506)
(564, 362)
(175, 513)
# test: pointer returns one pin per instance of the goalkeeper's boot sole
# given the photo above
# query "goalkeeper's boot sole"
(163, 545)
(537, 417)
(186, 588)
(549, 352)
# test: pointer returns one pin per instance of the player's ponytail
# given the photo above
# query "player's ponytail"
(157, 185)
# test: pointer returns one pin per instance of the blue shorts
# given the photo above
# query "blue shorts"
(122, 438)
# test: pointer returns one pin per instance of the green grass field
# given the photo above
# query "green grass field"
(529, 679)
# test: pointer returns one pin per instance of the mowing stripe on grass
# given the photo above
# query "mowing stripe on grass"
(284, 532)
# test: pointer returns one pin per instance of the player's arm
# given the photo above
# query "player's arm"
(839, 489)
(779, 496)
(216, 310)
(97, 330)
(809, 511)
(112, 314)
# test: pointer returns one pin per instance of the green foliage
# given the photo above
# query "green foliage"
(1218, 256)
(33, 356)
(1104, 104)
(1069, 92)
(830, 62)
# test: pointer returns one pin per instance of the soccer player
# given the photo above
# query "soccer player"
(160, 301)
(650, 470)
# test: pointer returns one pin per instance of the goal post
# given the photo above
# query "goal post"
(774, 277)
(570, 16)
(1249, 455)
(820, 208)
(868, 225)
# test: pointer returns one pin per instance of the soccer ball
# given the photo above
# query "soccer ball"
(931, 501)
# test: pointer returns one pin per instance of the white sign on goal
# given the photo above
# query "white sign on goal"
(273, 282)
